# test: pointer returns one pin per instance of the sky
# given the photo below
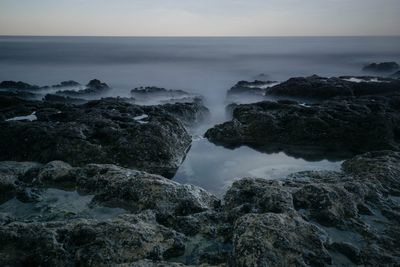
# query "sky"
(200, 17)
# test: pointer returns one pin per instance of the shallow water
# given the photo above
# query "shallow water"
(57, 204)
(215, 168)
(206, 66)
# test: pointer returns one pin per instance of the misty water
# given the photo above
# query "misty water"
(206, 66)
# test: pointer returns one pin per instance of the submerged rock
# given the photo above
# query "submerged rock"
(345, 124)
(382, 67)
(102, 131)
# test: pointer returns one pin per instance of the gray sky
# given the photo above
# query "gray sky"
(200, 17)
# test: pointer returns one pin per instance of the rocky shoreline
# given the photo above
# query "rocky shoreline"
(121, 154)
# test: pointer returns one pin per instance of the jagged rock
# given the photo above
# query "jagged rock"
(63, 99)
(346, 124)
(317, 87)
(382, 67)
(128, 238)
(104, 131)
(278, 240)
(338, 218)
(152, 91)
(17, 85)
(255, 87)
(94, 87)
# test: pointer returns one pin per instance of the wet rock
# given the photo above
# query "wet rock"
(94, 87)
(104, 131)
(382, 67)
(328, 202)
(152, 91)
(395, 75)
(13, 175)
(128, 238)
(17, 85)
(316, 87)
(191, 114)
(255, 87)
(138, 191)
(156, 95)
(63, 99)
(346, 124)
(278, 240)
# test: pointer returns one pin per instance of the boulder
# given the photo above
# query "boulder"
(320, 88)
(148, 138)
(122, 240)
(343, 124)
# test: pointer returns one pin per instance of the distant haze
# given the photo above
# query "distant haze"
(200, 17)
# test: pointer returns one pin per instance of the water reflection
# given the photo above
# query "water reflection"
(214, 168)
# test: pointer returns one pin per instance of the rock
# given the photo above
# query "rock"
(278, 240)
(395, 75)
(382, 67)
(93, 88)
(13, 174)
(138, 191)
(255, 87)
(190, 114)
(152, 91)
(330, 218)
(316, 87)
(17, 85)
(102, 131)
(128, 238)
(346, 124)
(19, 94)
(156, 95)
(63, 99)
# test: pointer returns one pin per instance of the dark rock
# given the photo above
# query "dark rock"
(255, 87)
(63, 99)
(104, 131)
(152, 91)
(128, 238)
(17, 85)
(395, 75)
(325, 227)
(345, 124)
(315, 87)
(278, 240)
(382, 67)
(93, 88)
(156, 95)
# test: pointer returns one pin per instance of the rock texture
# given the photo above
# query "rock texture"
(316, 87)
(324, 218)
(88, 243)
(352, 124)
(150, 138)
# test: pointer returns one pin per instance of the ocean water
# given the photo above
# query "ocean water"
(207, 66)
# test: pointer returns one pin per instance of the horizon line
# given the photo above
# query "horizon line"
(195, 36)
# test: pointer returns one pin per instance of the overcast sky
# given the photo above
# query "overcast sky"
(200, 17)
